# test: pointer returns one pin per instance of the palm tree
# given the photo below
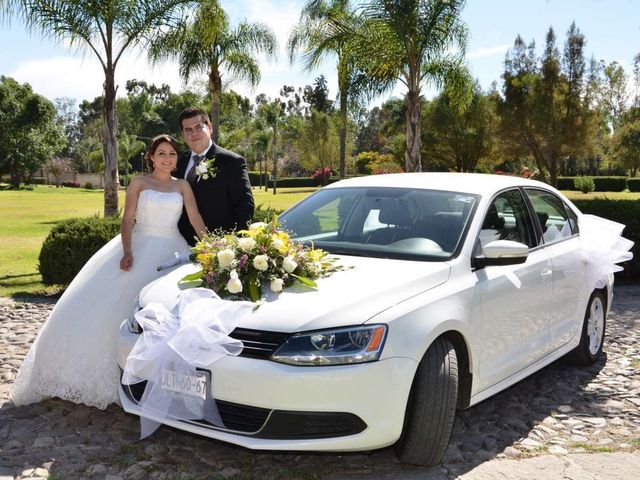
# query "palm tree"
(108, 28)
(321, 31)
(209, 45)
(414, 41)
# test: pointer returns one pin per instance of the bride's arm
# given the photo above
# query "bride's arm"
(191, 207)
(128, 219)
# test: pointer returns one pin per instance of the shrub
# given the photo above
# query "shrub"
(584, 184)
(626, 212)
(321, 175)
(71, 184)
(70, 244)
(633, 184)
(88, 186)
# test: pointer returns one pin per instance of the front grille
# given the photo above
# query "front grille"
(241, 418)
(258, 343)
(273, 424)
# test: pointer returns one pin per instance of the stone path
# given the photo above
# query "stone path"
(562, 410)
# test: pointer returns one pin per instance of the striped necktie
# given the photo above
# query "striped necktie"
(191, 176)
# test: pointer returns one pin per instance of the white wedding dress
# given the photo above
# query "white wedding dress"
(74, 354)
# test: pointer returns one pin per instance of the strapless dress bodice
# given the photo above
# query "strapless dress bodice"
(158, 212)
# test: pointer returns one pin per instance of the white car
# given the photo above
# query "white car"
(459, 286)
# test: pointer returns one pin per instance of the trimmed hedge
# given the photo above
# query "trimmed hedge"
(626, 212)
(610, 184)
(603, 184)
(70, 244)
(633, 184)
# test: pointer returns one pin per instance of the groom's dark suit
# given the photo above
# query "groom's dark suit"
(225, 202)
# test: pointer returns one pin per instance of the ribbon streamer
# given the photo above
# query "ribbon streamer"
(180, 258)
(176, 344)
(604, 247)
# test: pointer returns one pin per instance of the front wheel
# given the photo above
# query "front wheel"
(431, 407)
(593, 329)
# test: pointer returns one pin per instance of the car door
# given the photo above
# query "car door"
(558, 235)
(515, 298)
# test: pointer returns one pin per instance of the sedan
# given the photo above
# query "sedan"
(454, 287)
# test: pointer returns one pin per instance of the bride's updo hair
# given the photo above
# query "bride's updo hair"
(155, 143)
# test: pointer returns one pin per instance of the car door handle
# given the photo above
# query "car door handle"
(546, 273)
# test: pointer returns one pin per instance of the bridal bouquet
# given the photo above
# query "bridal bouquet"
(239, 265)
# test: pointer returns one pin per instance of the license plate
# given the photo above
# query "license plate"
(192, 385)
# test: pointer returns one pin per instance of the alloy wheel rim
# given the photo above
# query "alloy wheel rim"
(595, 325)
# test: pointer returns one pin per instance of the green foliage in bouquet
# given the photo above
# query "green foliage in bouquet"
(70, 244)
(238, 265)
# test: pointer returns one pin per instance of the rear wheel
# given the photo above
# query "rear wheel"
(431, 407)
(593, 330)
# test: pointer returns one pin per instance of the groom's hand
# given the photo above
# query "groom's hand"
(126, 262)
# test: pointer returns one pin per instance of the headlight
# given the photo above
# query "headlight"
(333, 347)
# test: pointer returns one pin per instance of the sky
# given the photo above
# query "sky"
(611, 28)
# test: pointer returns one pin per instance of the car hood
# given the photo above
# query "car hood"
(353, 296)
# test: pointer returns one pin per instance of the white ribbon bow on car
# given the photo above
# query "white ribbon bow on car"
(170, 350)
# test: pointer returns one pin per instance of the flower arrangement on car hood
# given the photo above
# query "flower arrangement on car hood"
(239, 264)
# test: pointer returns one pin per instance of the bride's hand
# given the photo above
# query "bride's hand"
(126, 262)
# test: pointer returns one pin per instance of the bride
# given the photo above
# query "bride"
(74, 354)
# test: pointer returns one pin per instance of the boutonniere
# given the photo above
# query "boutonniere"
(206, 169)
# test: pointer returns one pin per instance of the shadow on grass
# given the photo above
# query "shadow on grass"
(29, 286)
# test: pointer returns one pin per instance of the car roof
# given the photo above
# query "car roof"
(476, 183)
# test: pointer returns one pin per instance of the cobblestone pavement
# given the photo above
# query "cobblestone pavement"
(562, 410)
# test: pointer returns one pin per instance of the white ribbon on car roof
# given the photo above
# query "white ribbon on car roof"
(604, 247)
(195, 337)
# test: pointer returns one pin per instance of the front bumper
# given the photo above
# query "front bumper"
(271, 406)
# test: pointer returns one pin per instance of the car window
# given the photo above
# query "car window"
(552, 217)
(507, 218)
(390, 222)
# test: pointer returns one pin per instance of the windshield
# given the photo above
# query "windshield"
(382, 222)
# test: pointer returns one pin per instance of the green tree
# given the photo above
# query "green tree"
(30, 133)
(319, 33)
(414, 41)
(458, 135)
(209, 45)
(626, 142)
(107, 28)
(545, 109)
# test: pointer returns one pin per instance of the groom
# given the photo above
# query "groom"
(222, 191)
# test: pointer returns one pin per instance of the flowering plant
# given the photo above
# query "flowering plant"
(206, 169)
(238, 265)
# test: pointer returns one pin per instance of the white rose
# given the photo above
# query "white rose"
(234, 285)
(226, 257)
(246, 244)
(276, 285)
(289, 264)
(202, 170)
(257, 225)
(261, 262)
(277, 243)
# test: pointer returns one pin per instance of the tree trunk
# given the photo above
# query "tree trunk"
(275, 157)
(215, 90)
(110, 146)
(412, 155)
(343, 133)
(15, 178)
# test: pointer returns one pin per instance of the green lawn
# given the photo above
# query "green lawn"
(26, 216)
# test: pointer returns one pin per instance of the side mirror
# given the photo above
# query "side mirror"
(500, 253)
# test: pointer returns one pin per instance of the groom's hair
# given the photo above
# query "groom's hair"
(191, 112)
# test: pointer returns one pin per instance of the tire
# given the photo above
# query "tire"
(593, 329)
(431, 407)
